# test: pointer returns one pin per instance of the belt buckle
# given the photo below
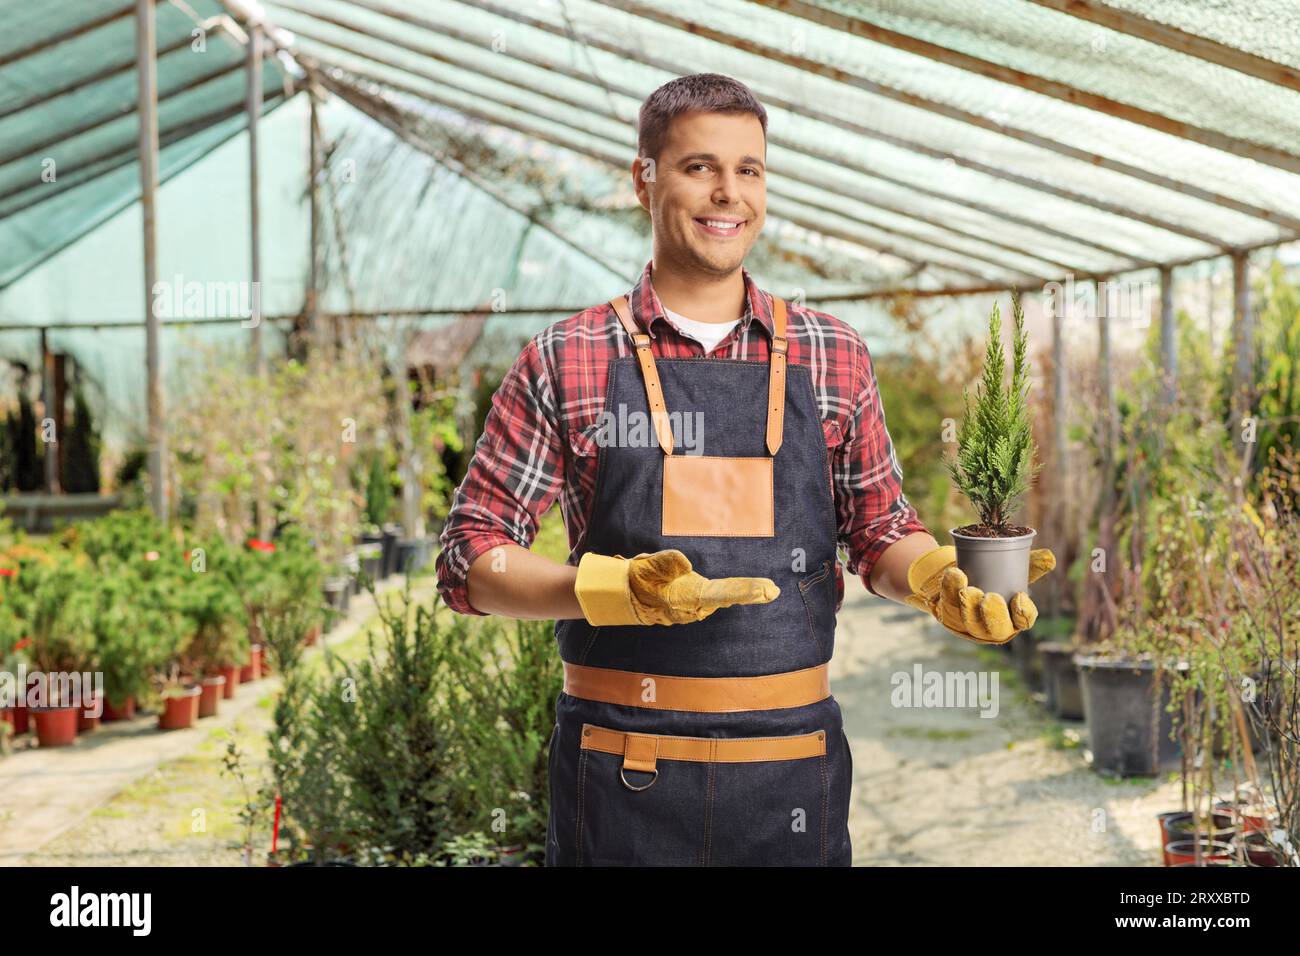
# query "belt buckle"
(640, 753)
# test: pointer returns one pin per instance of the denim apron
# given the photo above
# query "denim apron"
(791, 812)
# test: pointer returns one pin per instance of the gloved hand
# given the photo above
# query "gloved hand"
(658, 588)
(940, 588)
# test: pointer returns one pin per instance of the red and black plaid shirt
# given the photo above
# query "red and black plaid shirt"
(538, 442)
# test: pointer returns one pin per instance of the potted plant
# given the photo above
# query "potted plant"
(994, 467)
(61, 647)
(214, 615)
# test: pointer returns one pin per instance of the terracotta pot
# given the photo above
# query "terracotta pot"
(210, 698)
(16, 717)
(1259, 852)
(312, 636)
(55, 726)
(253, 669)
(85, 723)
(125, 712)
(180, 710)
(1222, 828)
(1250, 818)
(231, 673)
(1179, 852)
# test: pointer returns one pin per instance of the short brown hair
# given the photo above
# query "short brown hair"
(702, 92)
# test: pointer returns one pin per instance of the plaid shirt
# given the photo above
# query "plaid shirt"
(537, 443)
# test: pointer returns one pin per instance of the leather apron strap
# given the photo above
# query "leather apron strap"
(654, 392)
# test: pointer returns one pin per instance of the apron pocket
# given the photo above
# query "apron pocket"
(817, 591)
(771, 813)
(707, 496)
(659, 825)
(655, 800)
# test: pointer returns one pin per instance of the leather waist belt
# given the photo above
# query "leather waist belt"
(641, 752)
(714, 695)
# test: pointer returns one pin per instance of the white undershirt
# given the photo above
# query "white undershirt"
(708, 334)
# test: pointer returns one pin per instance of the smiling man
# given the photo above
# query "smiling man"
(696, 614)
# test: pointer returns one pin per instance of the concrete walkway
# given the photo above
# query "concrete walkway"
(944, 786)
(44, 793)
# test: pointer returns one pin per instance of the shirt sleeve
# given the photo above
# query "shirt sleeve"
(872, 510)
(514, 477)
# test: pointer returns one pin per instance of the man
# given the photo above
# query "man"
(709, 446)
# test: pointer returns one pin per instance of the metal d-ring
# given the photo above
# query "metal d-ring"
(622, 777)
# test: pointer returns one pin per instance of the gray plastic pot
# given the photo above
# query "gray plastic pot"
(1128, 731)
(998, 565)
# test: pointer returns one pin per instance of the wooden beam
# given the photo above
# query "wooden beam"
(1270, 155)
(147, 111)
(1192, 44)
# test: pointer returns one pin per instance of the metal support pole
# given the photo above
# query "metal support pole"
(1107, 403)
(1061, 453)
(1168, 340)
(254, 244)
(312, 304)
(147, 69)
(50, 449)
(1243, 346)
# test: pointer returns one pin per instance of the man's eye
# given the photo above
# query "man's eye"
(698, 166)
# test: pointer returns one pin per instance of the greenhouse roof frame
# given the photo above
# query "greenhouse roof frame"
(966, 148)
(1112, 204)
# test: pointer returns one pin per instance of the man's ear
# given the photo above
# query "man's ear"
(643, 173)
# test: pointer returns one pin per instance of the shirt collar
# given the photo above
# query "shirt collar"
(648, 311)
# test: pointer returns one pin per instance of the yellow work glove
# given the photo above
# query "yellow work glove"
(940, 588)
(658, 588)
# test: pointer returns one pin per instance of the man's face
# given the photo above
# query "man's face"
(708, 199)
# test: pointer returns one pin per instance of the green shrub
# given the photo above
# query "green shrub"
(995, 446)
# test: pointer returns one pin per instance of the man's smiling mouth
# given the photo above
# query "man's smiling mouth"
(723, 227)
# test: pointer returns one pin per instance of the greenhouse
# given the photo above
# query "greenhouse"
(311, 332)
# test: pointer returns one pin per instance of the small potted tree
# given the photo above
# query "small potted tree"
(61, 647)
(994, 467)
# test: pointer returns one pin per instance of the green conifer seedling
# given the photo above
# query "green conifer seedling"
(994, 465)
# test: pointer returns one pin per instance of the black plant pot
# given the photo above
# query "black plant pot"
(389, 540)
(338, 593)
(413, 554)
(372, 565)
(1024, 654)
(1061, 680)
(1128, 732)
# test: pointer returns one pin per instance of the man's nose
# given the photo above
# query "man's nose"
(727, 189)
